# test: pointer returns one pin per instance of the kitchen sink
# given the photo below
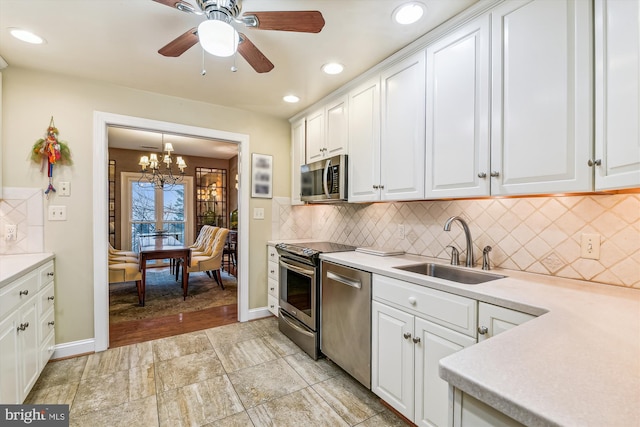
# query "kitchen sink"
(454, 274)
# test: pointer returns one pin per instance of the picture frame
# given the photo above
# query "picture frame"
(261, 175)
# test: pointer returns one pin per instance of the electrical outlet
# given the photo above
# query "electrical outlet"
(10, 232)
(400, 231)
(590, 246)
(57, 213)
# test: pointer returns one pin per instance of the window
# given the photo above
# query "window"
(147, 209)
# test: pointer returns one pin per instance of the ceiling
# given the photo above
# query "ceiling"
(116, 41)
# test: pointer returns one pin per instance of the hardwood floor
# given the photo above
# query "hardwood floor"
(136, 331)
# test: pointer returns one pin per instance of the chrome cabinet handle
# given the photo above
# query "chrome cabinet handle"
(597, 162)
(51, 323)
(50, 298)
(495, 174)
(272, 289)
(24, 292)
(482, 330)
(375, 187)
(382, 187)
(416, 340)
(482, 175)
(407, 335)
(50, 274)
(23, 326)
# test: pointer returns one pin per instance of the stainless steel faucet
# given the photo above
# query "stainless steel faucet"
(467, 235)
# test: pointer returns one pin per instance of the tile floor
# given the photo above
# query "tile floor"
(244, 374)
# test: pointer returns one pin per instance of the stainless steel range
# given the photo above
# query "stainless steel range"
(300, 291)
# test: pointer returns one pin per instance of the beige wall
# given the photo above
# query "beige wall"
(30, 99)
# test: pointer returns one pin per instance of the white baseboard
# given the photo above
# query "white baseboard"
(73, 348)
(259, 313)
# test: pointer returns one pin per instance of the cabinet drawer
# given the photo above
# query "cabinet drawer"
(272, 305)
(449, 310)
(272, 254)
(273, 270)
(47, 325)
(18, 292)
(47, 272)
(46, 299)
(272, 287)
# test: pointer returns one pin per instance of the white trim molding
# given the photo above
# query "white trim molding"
(101, 121)
(73, 348)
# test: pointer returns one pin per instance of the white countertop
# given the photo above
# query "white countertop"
(14, 266)
(577, 364)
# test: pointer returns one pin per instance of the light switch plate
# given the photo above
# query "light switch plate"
(590, 246)
(258, 213)
(57, 213)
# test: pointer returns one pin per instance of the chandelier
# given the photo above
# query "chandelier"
(161, 178)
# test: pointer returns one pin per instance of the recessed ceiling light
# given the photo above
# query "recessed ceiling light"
(26, 36)
(291, 99)
(332, 68)
(408, 13)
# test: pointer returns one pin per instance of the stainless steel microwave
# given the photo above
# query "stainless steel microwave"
(324, 180)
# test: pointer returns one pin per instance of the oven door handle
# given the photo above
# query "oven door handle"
(344, 280)
(305, 272)
(325, 179)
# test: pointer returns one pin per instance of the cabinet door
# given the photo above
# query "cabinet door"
(458, 113)
(402, 144)
(392, 357)
(541, 97)
(432, 392)
(29, 347)
(495, 320)
(9, 361)
(617, 43)
(315, 136)
(337, 131)
(364, 142)
(297, 158)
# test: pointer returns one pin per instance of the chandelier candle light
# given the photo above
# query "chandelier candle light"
(151, 168)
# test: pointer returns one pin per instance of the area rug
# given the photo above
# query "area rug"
(164, 296)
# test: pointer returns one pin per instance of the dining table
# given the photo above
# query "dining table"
(157, 247)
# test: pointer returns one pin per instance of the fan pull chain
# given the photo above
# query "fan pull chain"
(233, 67)
(204, 71)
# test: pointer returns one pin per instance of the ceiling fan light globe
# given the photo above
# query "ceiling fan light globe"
(218, 38)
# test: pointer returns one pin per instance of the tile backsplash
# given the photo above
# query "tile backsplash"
(534, 234)
(22, 207)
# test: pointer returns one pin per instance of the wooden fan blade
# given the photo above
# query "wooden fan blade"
(180, 44)
(303, 21)
(253, 56)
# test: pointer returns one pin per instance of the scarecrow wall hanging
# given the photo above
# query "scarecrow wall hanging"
(49, 151)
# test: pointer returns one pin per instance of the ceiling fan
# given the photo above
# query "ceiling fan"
(218, 37)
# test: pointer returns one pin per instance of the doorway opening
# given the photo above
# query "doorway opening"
(103, 235)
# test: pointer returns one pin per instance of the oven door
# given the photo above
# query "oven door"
(298, 291)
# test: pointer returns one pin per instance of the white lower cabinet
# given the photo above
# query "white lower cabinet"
(273, 273)
(467, 410)
(493, 320)
(406, 347)
(27, 335)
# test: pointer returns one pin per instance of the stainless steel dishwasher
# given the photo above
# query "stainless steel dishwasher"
(345, 319)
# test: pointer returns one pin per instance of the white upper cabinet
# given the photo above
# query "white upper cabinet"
(386, 134)
(457, 113)
(617, 139)
(541, 111)
(327, 132)
(364, 141)
(297, 158)
(402, 144)
(315, 136)
(0, 136)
